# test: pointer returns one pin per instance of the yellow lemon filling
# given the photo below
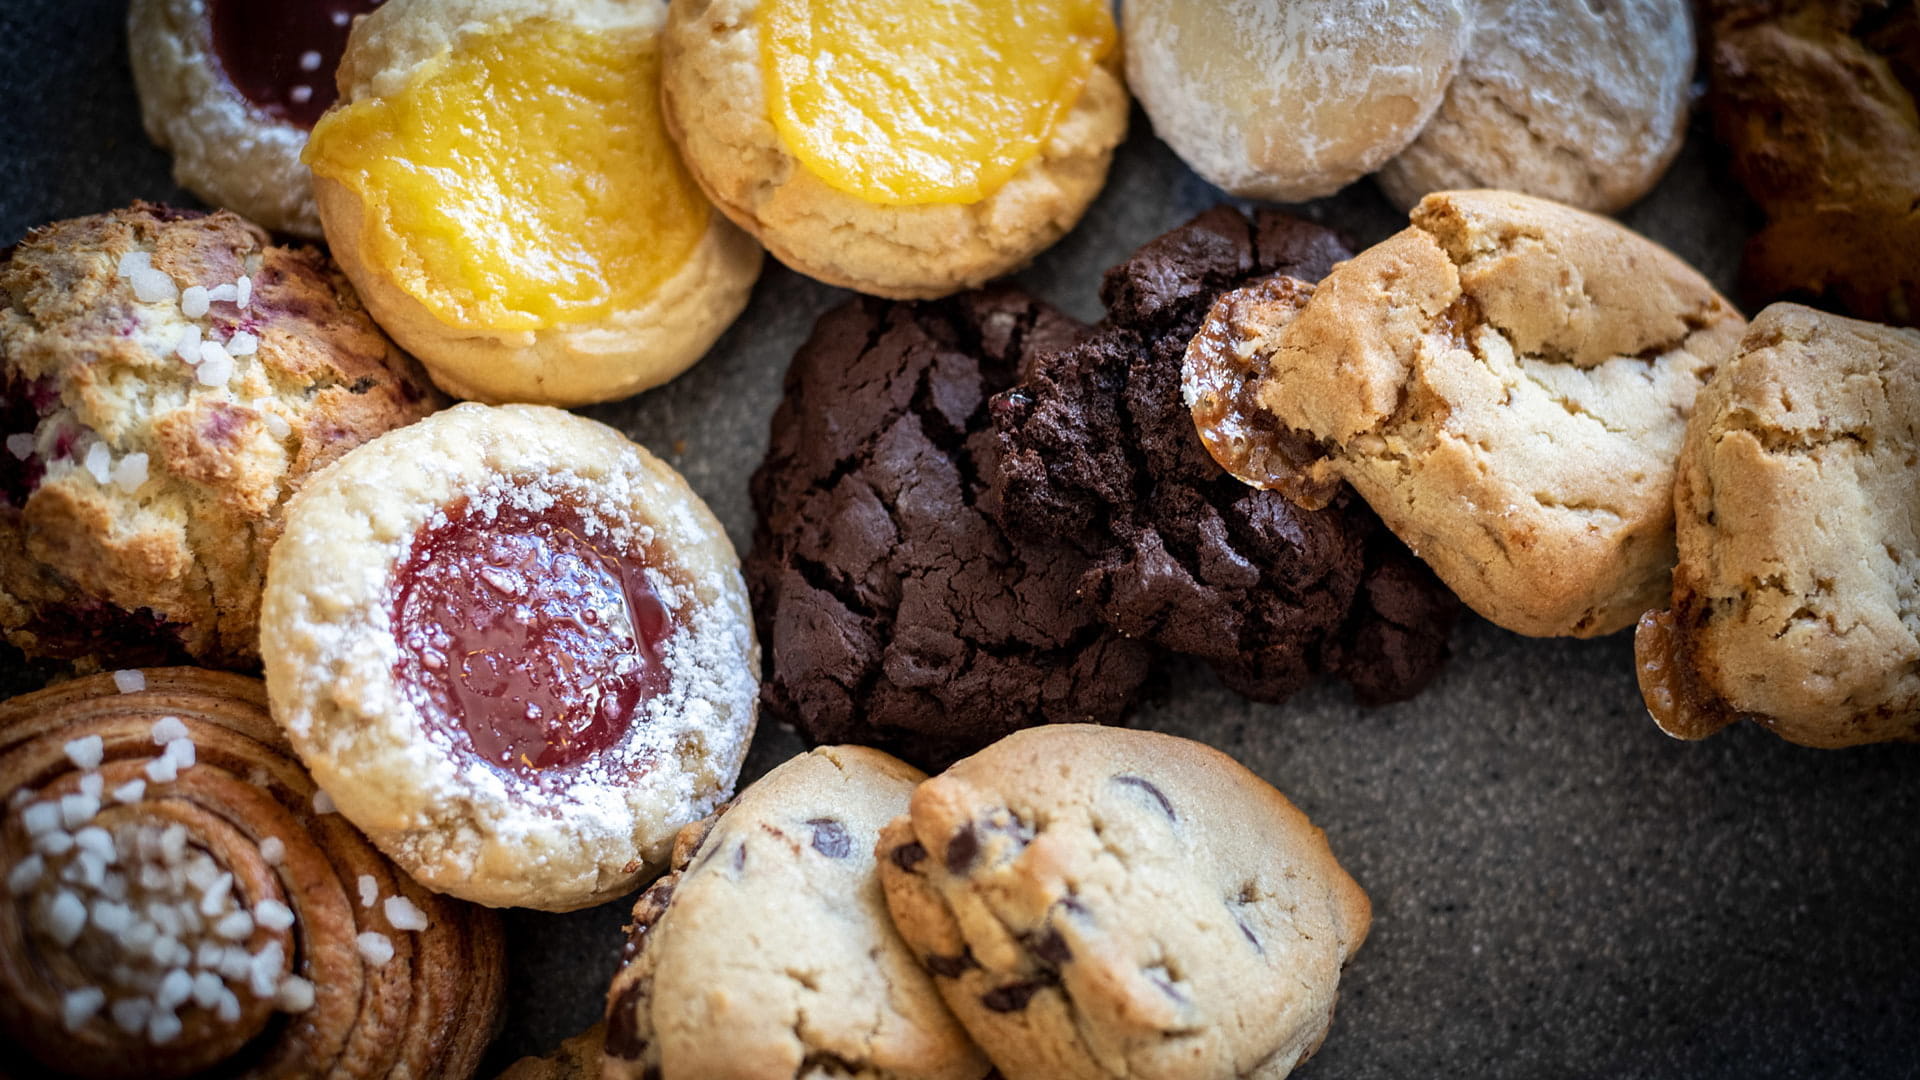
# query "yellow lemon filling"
(910, 102)
(525, 180)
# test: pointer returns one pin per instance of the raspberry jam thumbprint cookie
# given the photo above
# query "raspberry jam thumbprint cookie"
(515, 649)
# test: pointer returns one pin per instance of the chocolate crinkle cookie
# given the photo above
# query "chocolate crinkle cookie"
(894, 610)
(1097, 447)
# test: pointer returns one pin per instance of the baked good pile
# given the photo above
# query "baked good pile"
(509, 657)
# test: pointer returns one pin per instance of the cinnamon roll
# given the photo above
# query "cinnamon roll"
(181, 898)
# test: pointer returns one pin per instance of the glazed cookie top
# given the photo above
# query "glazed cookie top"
(1507, 383)
(1797, 600)
(499, 181)
(162, 367)
(903, 149)
(772, 929)
(1101, 902)
(515, 649)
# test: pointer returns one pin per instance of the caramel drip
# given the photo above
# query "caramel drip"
(1226, 365)
(1682, 707)
(427, 1011)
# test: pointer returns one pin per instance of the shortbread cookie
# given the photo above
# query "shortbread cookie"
(768, 954)
(1797, 599)
(167, 380)
(498, 182)
(515, 649)
(1582, 103)
(895, 611)
(1291, 99)
(1096, 447)
(1097, 902)
(232, 87)
(1507, 384)
(900, 152)
(1819, 103)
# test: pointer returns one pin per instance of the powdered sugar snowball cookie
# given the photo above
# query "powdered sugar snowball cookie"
(904, 150)
(1585, 104)
(1291, 99)
(232, 87)
(497, 180)
(167, 379)
(768, 954)
(1797, 599)
(515, 649)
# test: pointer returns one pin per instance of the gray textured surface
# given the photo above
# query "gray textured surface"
(1559, 890)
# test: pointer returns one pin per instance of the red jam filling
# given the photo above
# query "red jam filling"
(539, 641)
(281, 54)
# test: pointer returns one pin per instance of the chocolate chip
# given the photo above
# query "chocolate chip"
(623, 1025)
(949, 967)
(740, 857)
(830, 838)
(1014, 997)
(1163, 979)
(1248, 930)
(1048, 947)
(1149, 787)
(908, 855)
(962, 849)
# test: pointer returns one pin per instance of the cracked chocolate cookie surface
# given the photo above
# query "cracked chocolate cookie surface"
(167, 379)
(1507, 383)
(893, 609)
(767, 953)
(1097, 447)
(1100, 902)
(1797, 597)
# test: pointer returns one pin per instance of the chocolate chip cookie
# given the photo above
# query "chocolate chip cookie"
(1097, 447)
(1100, 902)
(768, 953)
(1796, 601)
(895, 612)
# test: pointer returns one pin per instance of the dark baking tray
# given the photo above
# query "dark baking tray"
(1559, 889)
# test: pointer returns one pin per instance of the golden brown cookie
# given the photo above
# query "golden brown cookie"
(767, 953)
(170, 378)
(1585, 104)
(232, 87)
(1819, 103)
(498, 182)
(797, 123)
(1102, 903)
(577, 1059)
(1506, 383)
(515, 649)
(1797, 599)
(1292, 99)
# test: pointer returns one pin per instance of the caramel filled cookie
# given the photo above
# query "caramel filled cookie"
(1795, 602)
(167, 380)
(1096, 447)
(894, 609)
(767, 953)
(1819, 102)
(901, 149)
(515, 650)
(1104, 903)
(1506, 383)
